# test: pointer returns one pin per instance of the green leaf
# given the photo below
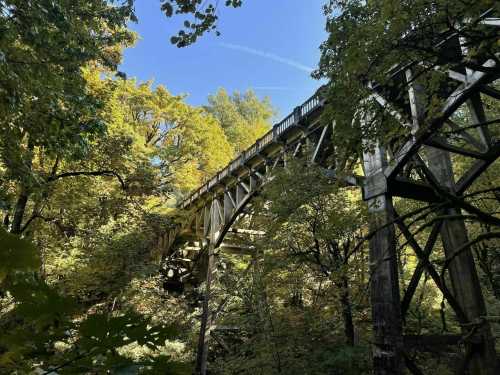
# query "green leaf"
(16, 254)
(167, 9)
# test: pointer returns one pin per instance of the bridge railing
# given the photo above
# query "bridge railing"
(267, 138)
(310, 105)
(283, 125)
(271, 136)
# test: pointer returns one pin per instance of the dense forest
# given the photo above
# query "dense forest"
(94, 167)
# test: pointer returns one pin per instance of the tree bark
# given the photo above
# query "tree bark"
(19, 210)
(24, 194)
(345, 300)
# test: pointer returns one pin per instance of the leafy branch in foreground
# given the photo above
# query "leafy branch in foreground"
(205, 17)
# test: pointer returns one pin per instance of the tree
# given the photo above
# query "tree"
(82, 214)
(244, 118)
(44, 101)
(95, 216)
(295, 301)
(328, 224)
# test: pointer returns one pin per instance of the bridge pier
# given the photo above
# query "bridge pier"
(387, 348)
(466, 288)
(212, 224)
(463, 275)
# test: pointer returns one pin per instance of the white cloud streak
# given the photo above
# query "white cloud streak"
(271, 88)
(268, 55)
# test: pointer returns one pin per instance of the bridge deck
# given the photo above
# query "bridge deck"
(301, 115)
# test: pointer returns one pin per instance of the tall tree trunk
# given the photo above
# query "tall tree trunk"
(341, 260)
(345, 301)
(19, 211)
(264, 313)
(22, 199)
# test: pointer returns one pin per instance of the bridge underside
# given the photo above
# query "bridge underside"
(436, 160)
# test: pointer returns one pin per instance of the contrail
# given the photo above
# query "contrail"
(267, 55)
(274, 88)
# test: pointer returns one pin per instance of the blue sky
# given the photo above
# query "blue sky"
(267, 45)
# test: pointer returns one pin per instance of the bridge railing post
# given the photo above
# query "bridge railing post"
(297, 115)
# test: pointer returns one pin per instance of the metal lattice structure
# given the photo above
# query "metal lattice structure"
(418, 166)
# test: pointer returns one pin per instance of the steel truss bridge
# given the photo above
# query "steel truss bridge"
(421, 166)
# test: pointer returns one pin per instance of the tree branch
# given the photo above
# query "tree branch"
(108, 173)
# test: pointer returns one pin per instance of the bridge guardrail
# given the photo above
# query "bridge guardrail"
(272, 135)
